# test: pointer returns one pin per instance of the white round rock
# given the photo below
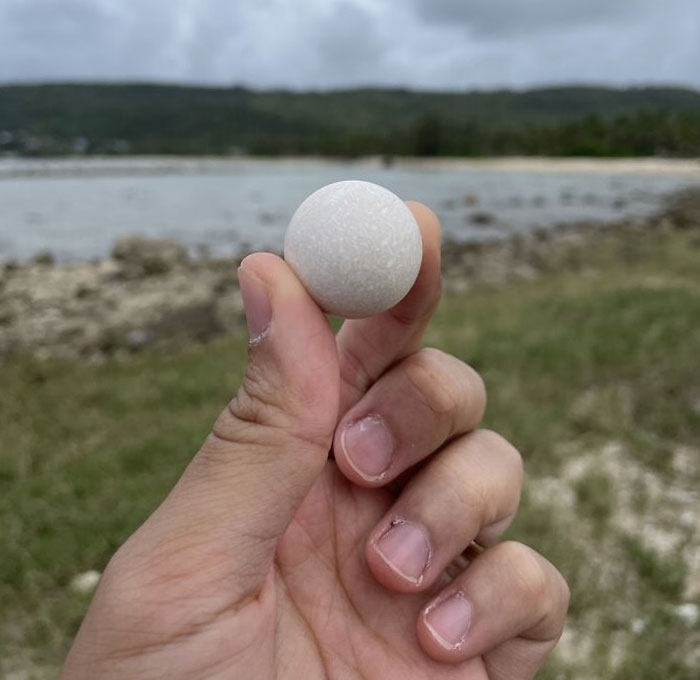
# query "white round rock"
(356, 247)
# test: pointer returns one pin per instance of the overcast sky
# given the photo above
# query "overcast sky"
(329, 43)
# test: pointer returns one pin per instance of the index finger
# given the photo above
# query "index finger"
(367, 347)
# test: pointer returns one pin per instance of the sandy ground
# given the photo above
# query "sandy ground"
(607, 166)
(149, 165)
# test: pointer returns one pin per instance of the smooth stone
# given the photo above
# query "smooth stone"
(356, 247)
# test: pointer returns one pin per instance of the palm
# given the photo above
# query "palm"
(320, 613)
(329, 601)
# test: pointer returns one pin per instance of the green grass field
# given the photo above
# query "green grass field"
(594, 373)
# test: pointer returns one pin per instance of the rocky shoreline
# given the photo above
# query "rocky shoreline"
(151, 293)
(148, 292)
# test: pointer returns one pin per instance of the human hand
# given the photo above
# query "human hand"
(270, 560)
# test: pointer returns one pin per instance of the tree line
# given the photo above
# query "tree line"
(154, 119)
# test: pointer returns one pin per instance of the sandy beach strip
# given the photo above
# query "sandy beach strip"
(594, 166)
(11, 168)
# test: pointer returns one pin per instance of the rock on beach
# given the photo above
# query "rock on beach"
(149, 292)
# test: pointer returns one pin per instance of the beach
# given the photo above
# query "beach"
(148, 165)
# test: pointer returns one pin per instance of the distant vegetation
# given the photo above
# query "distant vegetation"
(64, 119)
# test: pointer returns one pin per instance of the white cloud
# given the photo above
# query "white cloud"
(327, 43)
(515, 17)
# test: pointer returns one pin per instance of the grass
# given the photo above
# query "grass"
(592, 372)
(595, 497)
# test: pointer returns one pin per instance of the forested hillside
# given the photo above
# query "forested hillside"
(144, 119)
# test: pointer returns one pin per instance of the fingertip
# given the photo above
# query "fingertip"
(431, 233)
(263, 264)
(283, 285)
(428, 221)
(297, 347)
(424, 296)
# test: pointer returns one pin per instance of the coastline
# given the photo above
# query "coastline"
(152, 293)
(106, 166)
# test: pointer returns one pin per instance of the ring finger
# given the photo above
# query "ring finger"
(468, 491)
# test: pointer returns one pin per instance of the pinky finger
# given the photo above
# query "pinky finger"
(508, 607)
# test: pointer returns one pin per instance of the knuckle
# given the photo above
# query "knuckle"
(256, 399)
(431, 372)
(489, 439)
(529, 573)
(432, 356)
(263, 412)
(262, 393)
(467, 494)
(448, 386)
(542, 589)
(493, 441)
(472, 501)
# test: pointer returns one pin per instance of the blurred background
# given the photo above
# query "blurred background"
(145, 147)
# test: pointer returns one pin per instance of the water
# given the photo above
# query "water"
(231, 205)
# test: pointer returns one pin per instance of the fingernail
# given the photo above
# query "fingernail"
(449, 620)
(258, 312)
(368, 445)
(405, 548)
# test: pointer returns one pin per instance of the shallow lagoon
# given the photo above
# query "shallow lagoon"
(77, 209)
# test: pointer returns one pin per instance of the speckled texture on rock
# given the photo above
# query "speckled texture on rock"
(356, 248)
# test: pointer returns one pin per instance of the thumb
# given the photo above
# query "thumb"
(269, 445)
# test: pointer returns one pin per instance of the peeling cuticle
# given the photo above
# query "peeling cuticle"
(258, 339)
(397, 521)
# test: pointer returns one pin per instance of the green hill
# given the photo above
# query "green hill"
(142, 118)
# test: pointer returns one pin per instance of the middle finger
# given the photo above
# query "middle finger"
(406, 415)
